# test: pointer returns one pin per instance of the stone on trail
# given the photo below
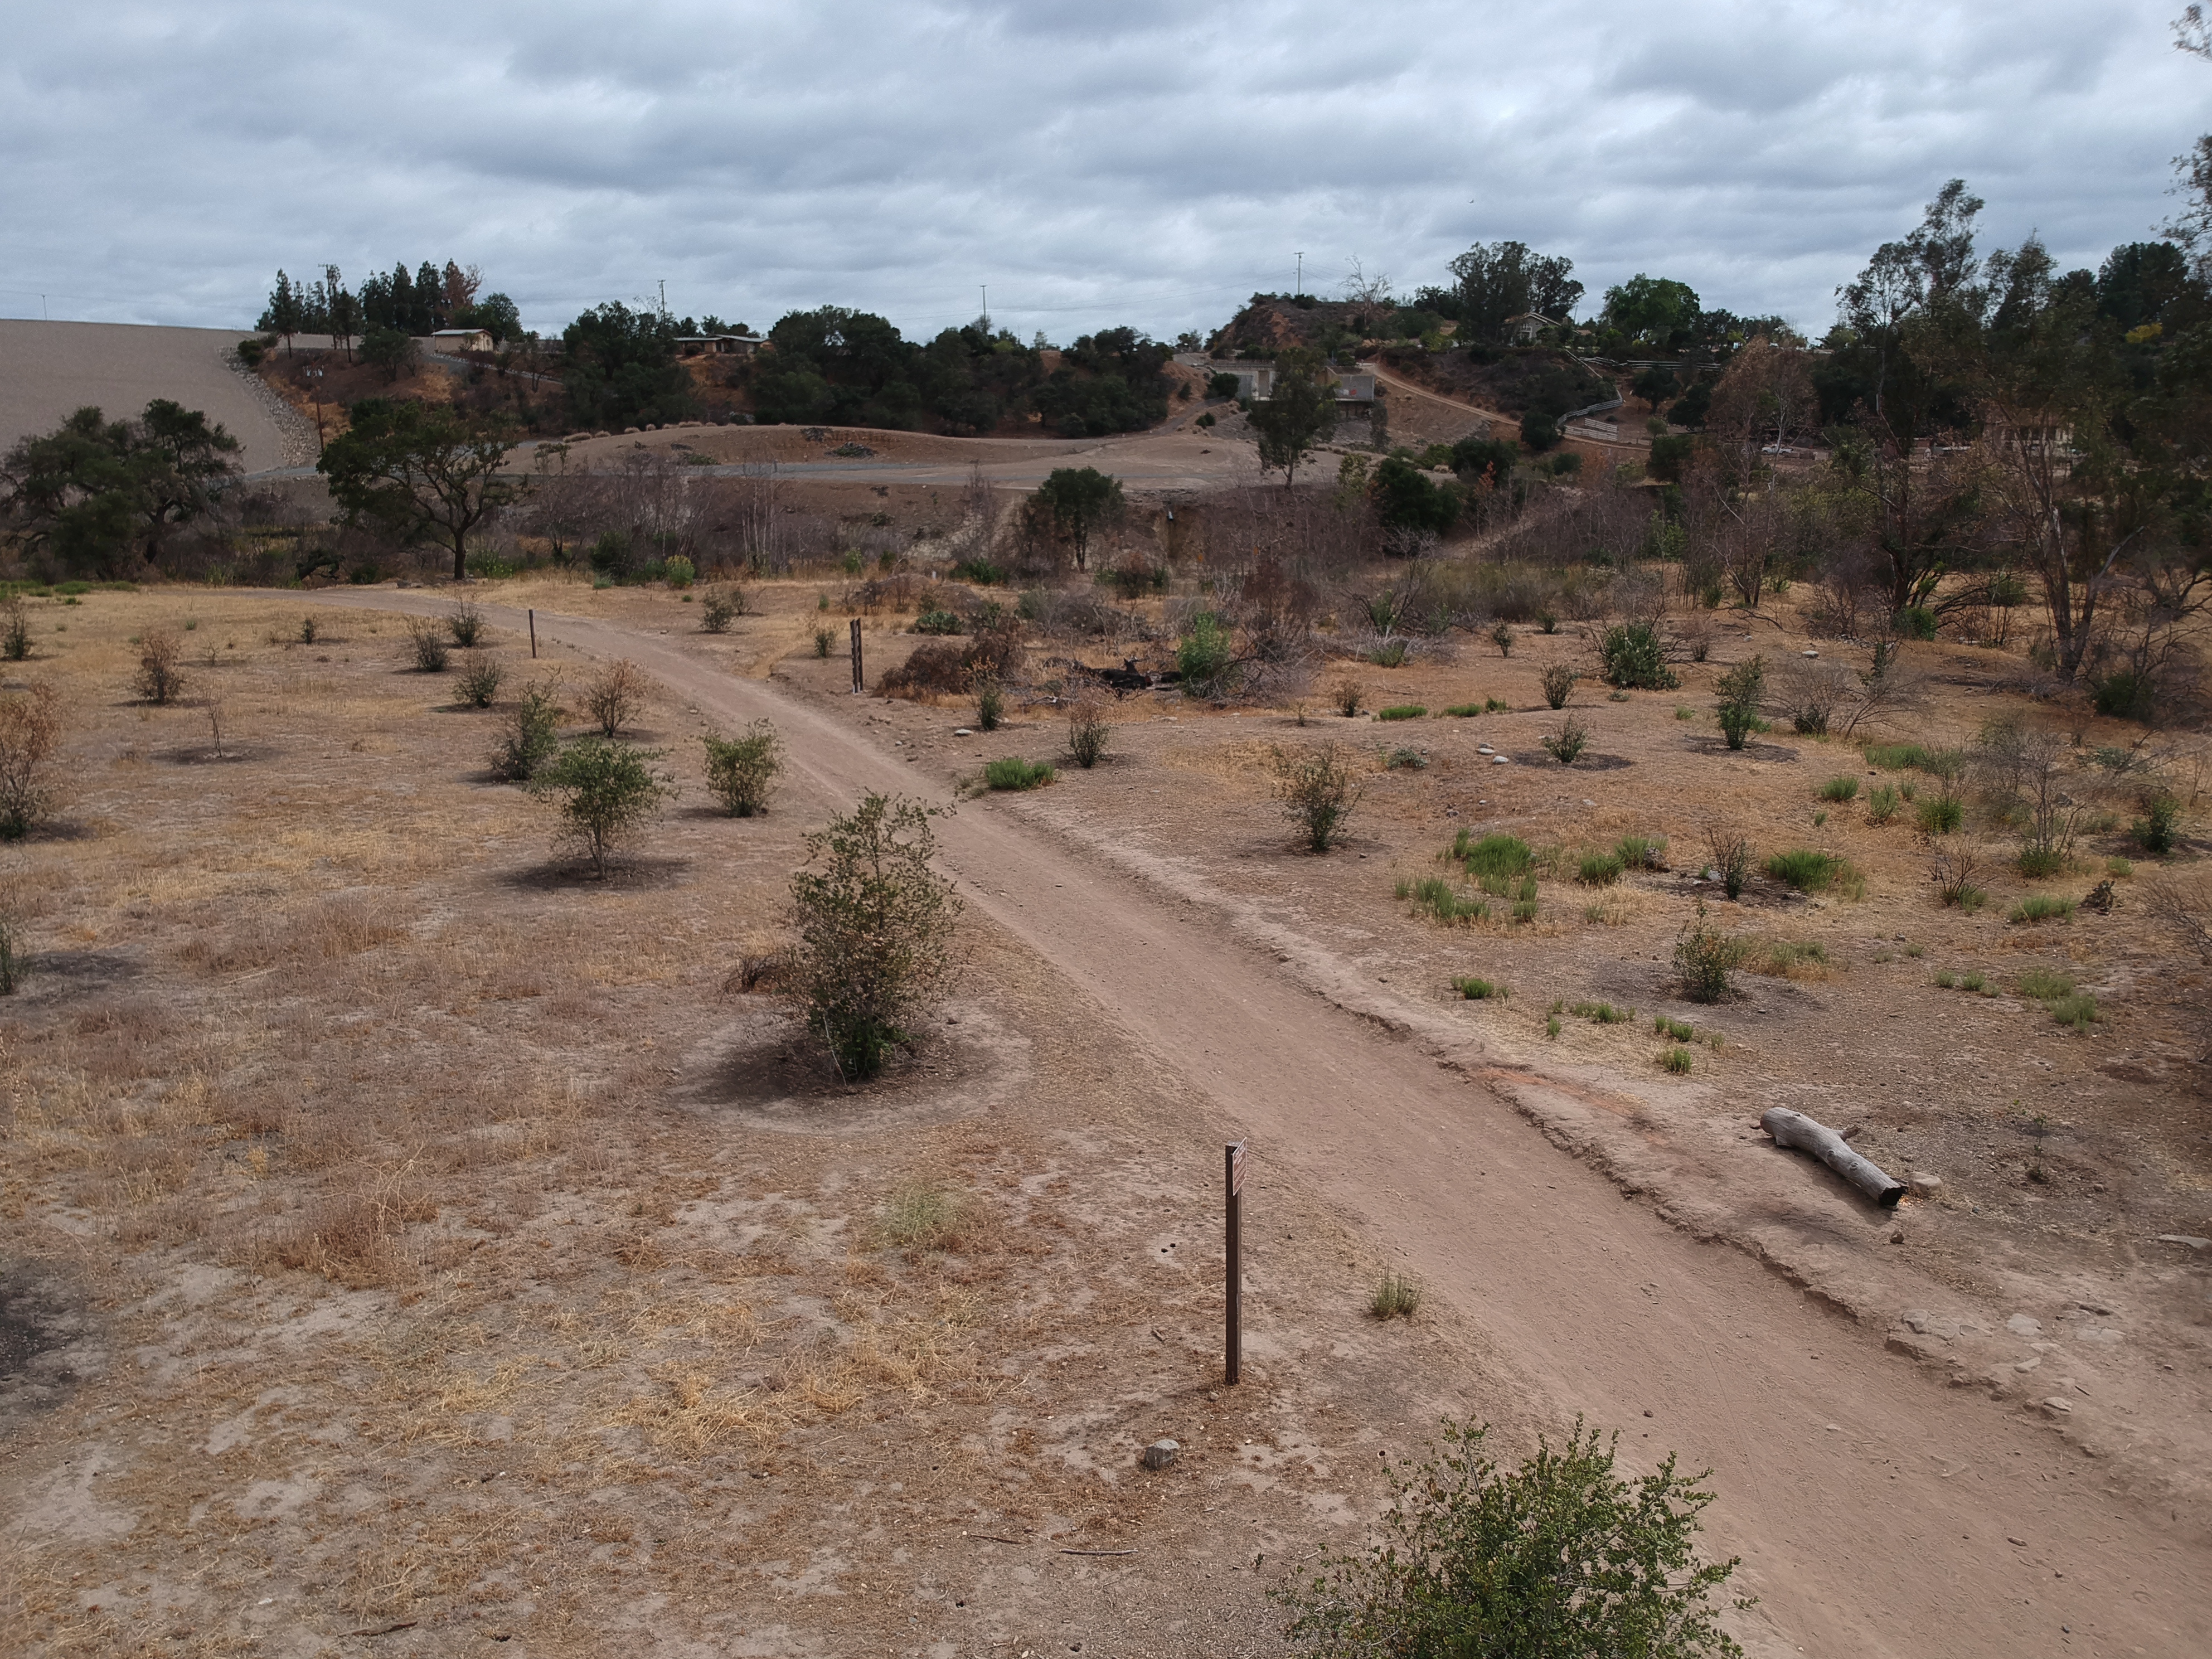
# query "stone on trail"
(1160, 1454)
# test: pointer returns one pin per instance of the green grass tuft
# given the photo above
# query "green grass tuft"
(1012, 772)
(1806, 870)
(1676, 1061)
(1404, 711)
(1598, 869)
(1842, 789)
(2042, 907)
(1480, 990)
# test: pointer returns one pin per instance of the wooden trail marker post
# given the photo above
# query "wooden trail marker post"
(859, 680)
(1232, 1161)
(533, 632)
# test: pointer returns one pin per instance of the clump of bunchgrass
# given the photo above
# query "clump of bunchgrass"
(1012, 772)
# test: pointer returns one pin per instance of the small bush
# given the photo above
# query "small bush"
(1344, 696)
(1881, 804)
(1806, 870)
(1940, 815)
(1598, 869)
(160, 677)
(480, 681)
(604, 793)
(1391, 653)
(11, 956)
(1558, 684)
(615, 695)
(1206, 656)
(15, 628)
(1396, 1296)
(990, 705)
(1975, 983)
(1496, 855)
(2119, 867)
(467, 624)
(1954, 873)
(2044, 984)
(1567, 742)
(1706, 960)
(1740, 689)
(2042, 907)
(30, 736)
(1460, 711)
(938, 622)
(530, 734)
(720, 605)
(1680, 1031)
(1684, 712)
(1480, 990)
(1012, 772)
(1502, 637)
(1318, 789)
(2155, 831)
(1676, 1061)
(678, 572)
(1088, 733)
(741, 771)
(431, 648)
(1633, 657)
(1730, 852)
(1840, 789)
(1602, 1013)
(824, 637)
(1404, 711)
(1404, 760)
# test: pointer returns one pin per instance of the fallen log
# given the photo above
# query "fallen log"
(1796, 1130)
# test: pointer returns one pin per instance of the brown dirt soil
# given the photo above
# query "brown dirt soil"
(47, 370)
(430, 1244)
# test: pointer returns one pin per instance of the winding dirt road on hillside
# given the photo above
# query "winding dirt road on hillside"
(1877, 1512)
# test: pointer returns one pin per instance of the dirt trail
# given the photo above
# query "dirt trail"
(1876, 1511)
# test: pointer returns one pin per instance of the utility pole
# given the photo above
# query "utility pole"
(1301, 287)
(986, 287)
(664, 299)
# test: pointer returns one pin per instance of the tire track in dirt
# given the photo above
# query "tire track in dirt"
(1875, 1509)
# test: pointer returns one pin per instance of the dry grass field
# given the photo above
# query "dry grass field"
(412, 1242)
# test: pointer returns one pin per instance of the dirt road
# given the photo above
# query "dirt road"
(1876, 1511)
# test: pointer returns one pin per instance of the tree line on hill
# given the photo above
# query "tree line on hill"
(394, 304)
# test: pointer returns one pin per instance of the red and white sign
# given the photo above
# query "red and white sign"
(1236, 1168)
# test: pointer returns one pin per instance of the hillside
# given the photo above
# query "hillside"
(1511, 380)
(48, 370)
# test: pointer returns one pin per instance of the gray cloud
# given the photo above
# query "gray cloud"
(1142, 161)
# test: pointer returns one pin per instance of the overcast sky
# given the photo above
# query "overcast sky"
(1093, 162)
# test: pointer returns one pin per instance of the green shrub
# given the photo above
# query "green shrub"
(465, 623)
(530, 734)
(875, 929)
(1207, 657)
(741, 771)
(2119, 867)
(1565, 744)
(1676, 1061)
(1480, 990)
(1940, 815)
(1391, 653)
(678, 572)
(1344, 696)
(1684, 712)
(1945, 979)
(1916, 621)
(980, 571)
(720, 605)
(1558, 684)
(1641, 852)
(1501, 635)
(1460, 711)
(936, 621)
(990, 704)
(1840, 789)
(1677, 1030)
(1318, 789)
(15, 628)
(604, 793)
(1740, 691)
(1406, 760)
(1706, 959)
(2042, 907)
(823, 639)
(431, 649)
(1633, 657)
(1088, 732)
(480, 681)
(2155, 830)
(1881, 804)
(2079, 1010)
(1598, 869)
(1552, 1026)
(2044, 984)
(1012, 772)
(1396, 1296)
(1404, 711)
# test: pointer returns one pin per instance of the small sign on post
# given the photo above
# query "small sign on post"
(1232, 1158)
(859, 682)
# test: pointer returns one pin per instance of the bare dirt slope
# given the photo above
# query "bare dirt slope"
(47, 370)
(1877, 1511)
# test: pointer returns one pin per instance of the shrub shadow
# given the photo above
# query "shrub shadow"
(572, 875)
